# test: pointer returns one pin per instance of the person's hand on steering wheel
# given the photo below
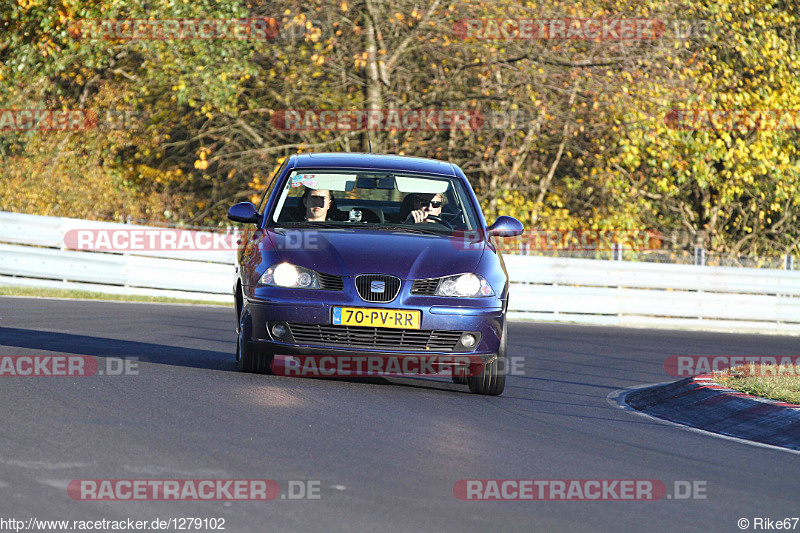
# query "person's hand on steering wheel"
(417, 216)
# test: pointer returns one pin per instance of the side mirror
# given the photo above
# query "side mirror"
(506, 227)
(244, 212)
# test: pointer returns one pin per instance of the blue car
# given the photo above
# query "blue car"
(377, 257)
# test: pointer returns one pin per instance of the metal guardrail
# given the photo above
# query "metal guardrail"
(587, 291)
(33, 253)
(654, 294)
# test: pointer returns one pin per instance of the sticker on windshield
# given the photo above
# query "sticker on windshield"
(308, 180)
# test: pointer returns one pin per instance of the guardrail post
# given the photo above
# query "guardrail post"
(699, 260)
(616, 252)
(788, 262)
(699, 256)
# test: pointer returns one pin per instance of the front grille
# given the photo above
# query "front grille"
(329, 282)
(364, 286)
(379, 338)
(425, 286)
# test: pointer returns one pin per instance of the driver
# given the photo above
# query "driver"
(317, 203)
(424, 205)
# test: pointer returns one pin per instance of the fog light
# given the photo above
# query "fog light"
(278, 330)
(467, 340)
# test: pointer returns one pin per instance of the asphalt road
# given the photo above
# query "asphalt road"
(386, 452)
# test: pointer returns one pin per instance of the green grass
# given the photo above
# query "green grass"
(767, 381)
(36, 292)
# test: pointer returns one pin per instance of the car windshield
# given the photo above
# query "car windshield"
(379, 200)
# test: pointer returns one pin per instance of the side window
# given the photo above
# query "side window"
(271, 186)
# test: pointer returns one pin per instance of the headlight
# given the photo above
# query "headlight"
(464, 285)
(288, 275)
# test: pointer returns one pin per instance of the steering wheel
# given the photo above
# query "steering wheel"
(439, 220)
(435, 218)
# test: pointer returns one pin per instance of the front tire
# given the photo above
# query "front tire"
(492, 379)
(249, 356)
(458, 379)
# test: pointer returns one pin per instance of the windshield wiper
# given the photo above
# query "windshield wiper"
(407, 228)
(304, 224)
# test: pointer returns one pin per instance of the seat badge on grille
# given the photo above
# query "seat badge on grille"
(378, 287)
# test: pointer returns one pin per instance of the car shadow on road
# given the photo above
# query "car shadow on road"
(32, 340)
(68, 343)
(148, 352)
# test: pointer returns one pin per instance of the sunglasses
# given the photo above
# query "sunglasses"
(434, 204)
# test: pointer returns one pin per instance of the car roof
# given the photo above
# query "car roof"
(373, 161)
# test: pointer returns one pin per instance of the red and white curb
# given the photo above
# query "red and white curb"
(705, 405)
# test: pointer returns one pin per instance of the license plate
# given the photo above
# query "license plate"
(377, 318)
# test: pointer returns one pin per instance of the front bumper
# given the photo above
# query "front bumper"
(482, 317)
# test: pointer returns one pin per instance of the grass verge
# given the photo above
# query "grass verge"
(776, 382)
(36, 292)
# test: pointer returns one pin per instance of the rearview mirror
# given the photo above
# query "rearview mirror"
(370, 182)
(244, 212)
(506, 227)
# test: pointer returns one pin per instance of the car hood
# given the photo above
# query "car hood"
(348, 252)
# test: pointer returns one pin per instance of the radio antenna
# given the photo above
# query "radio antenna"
(368, 140)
